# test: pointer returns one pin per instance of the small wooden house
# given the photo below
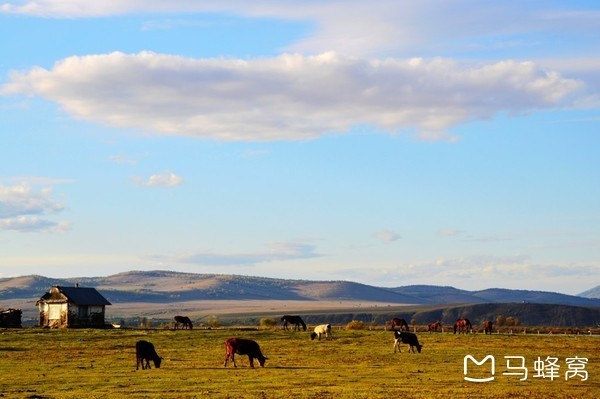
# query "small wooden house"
(72, 307)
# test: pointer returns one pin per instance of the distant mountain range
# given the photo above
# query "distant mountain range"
(170, 287)
(591, 293)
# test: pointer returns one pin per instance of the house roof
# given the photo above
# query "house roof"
(81, 295)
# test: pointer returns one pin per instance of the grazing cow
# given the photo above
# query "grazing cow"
(243, 346)
(323, 329)
(487, 327)
(295, 320)
(144, 352)
(462, 325)
(184, 320)
(406, 338)
(397, 322)
(434, 326)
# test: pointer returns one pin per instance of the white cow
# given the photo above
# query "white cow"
(323, 329)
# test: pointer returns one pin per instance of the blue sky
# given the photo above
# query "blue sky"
(389, 143)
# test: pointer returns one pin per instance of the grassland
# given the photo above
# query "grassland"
(38, 363)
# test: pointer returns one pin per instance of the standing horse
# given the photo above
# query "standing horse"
(487, 327)
(397, 322)
(462, 326)
(434, 326)
(295, 320)
(184, 320)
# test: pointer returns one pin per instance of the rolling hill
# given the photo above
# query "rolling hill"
(158, 294)
(591, 293)
(447, 295)
(168, 286)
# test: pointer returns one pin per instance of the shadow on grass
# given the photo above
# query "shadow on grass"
(257, 368)
(13, 349)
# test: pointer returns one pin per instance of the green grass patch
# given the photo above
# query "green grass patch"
(36, 363)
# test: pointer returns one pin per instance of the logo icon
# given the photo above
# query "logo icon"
(479, 363)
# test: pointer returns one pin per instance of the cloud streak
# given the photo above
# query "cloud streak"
(355, 27)
(387, 236)
(21, 206)
(281, 251)
(163, 179)
(289, 97)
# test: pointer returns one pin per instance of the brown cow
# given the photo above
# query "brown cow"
(243, 347)
(144, 352)
(462, 326)
(434, 326)
(397, 322)
(487, 327)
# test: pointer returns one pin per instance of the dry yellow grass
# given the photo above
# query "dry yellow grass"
(38, 363)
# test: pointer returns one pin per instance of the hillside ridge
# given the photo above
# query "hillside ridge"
(171, 287)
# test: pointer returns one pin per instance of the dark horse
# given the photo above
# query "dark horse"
(462, 326)
(295, 320)
(434, 326)
(397, 322)
(184, 320)
(487, 327)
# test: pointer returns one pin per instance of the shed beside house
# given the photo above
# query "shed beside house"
(72, 307)
(10, 318)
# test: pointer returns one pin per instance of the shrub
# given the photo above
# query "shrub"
(213, 321)
(267, 322)
(355, 325)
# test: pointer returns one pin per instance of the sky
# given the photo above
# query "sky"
(387, 143)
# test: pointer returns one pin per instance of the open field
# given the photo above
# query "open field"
(40, 363)
(222, 308)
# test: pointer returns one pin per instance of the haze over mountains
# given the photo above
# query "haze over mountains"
(168, 286)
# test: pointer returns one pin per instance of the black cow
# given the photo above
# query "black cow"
(243, 346)
(406, 338)
(184, 321)
(295, 320)
(144, 352)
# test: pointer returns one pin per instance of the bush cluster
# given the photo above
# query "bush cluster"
(356, 325)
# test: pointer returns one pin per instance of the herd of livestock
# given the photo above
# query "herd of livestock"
(146, 353)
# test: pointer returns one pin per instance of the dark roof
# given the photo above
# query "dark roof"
(83, 295)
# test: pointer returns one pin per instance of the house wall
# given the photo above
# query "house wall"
(53, 314)
(86, 316)
(70, 315)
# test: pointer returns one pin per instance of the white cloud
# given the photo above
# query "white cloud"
(289, 97)
(29, 224)
(450, 232)
(21, 205)
(481, 272)
(16, 200)
(122, 160)
(387, 236)
(355, 27)
(163, 179)
(280, 251)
